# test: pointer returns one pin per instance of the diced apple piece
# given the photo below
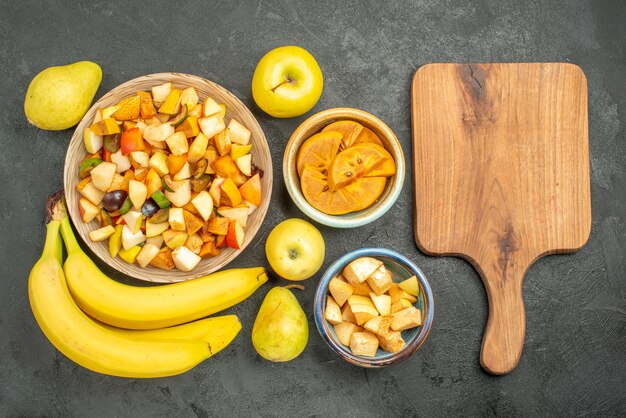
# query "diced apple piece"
(251, 190)
(158, 163)
(222, 142)
(194, 243)
(210, 107)
(147, 254)
(363, 308)
(115, 242)
(130, 238)
(332, 313)
(101, 234)
(160, 92)
(244, 164)
(391, 342)
(364, 344)
(133, 220)
(347, 315)
(155, 230)
(203, 203)
(182, 195)
(102, 175)
(380, 280)
(212, 125)
(192, 222)
(176, 219)
(174, 239)
(87, 210)
(163, 260)
(198, 147)
(239, 134)
(137, 192)
(185, 259)
(400, 305)
(157, 133)
(156, 240)
(382, 303)
(139, 158)
(216, 189)
(410, 286)
(239, 214)
(122, 161)
(340, 290)
(93, 142)
(235, 235)
(378, 325)
(217, 225)
(357, 271)
(152, 181)
(230, 195)
(92, 193)
(184, 173)
(189, 97)
(163, 118)
(196, 111)
(129, 255)
(344, 331)
(238, 150)
(177, 142)
(251, 206)
(171, 105)
(397, 293)
(407, 318)
(362, 289)
(98, 116)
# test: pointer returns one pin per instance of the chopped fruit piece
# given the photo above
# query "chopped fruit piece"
(362, 289)
(209, 250)
(133, 220)
(146, 106)
(217, 225)
(147, 253)
(91, 192)
(216, 189)
(238, 150)
(363, 308)
(407, 318)
(125, 207)
(87, 165)
(378, 325)
(180, 118)
(223, 142)
(380, 280)
(192, 222)
(230, 195)
(129, 109)
(410, 286)
(359, 270)
(160, 199)
(185, 259)
(107, 126)
(176, 219)
(121, 161)
(178, 144)
(189, 127)
(347, 315)
(129, 255)
(194, 243)
(364, 344)
(239, 134)
(101, 234)
(391, 342)
(396, 294)
(244, 164)
(382, 303)
(102, 175)
(131, 141)
(155, 134)
(315, 189)
(171, 105)
(332, 312)
(93, 142)
(198, 148)
(160, 92)
(340, 290)
(349, 130)
(251, 190)
(115, 242)
(137, 192)
(210, 107)
(108, 111)
(158, 163)
(189, 97)
(175, 163)
(157, 241)
(174, 239)
(181, 195)
(203, 204)
(152, 181)
(400, 305)
(163, 260)
(235, 235)
(139, 159)
(318, 151)
(154, 230)
(87, 210)
(184, 172)
(212, 125)
(130, 238)
(239, 214)
(344, 331)
(354, 162)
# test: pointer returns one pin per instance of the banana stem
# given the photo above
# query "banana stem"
(56, 210)
(71, 245)
(52, 245)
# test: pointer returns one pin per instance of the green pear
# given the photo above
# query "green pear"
(58, 97)
(281, 330)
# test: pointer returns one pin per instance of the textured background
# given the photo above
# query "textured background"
(574, 360)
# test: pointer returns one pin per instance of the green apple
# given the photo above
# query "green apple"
(295, 249)
(287, 82)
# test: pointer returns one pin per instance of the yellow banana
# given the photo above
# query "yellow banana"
(134, 307)
(87, 343)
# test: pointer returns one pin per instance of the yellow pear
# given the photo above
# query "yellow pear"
(58, 97)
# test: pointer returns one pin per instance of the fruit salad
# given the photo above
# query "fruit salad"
(344, 168)
(169, 180)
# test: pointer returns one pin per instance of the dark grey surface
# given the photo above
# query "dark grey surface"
(574, 360)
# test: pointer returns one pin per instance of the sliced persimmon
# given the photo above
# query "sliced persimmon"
(386, 169)
(349, 130)
(318, 151)
(314, 185)
(354, 163)
(366, 190)
(367, 135)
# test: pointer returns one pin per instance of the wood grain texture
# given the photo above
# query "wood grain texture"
(234, 109)
(501, 166)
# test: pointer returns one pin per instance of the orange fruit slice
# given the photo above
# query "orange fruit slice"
(318, 151)
(366, 190)
(367, 135)
(349, 130)
(355, 162)
(315, 189)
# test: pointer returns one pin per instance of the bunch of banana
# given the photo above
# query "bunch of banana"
(104, 348)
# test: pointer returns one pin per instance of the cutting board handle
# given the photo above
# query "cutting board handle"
(506, 326)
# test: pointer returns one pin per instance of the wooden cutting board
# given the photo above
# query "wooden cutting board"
(501, 165)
